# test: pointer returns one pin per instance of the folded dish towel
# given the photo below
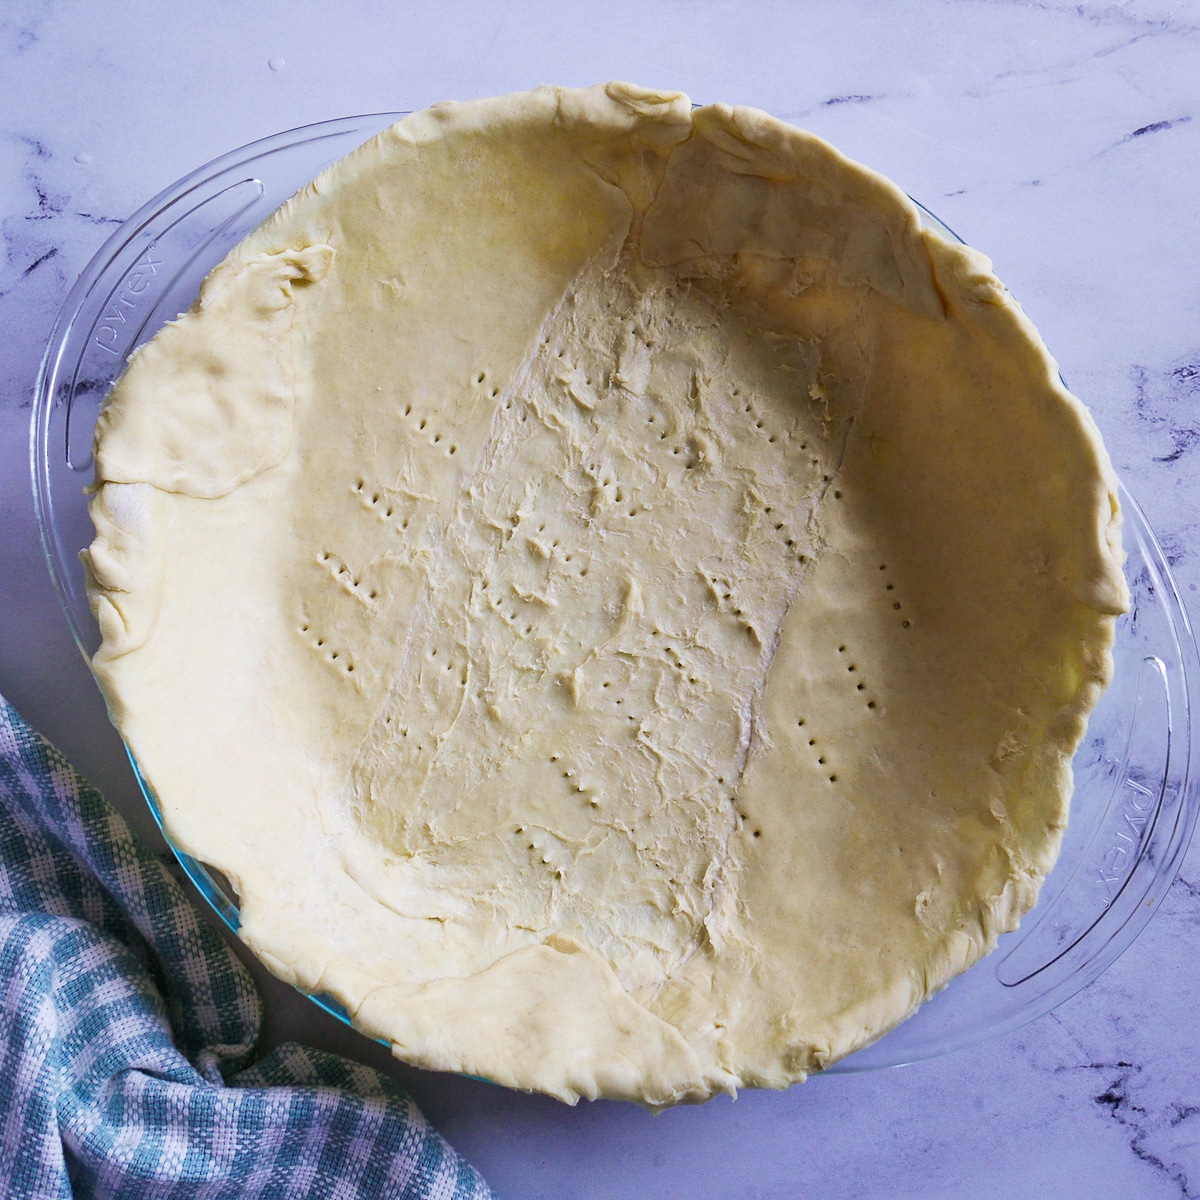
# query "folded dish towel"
(128, 1031)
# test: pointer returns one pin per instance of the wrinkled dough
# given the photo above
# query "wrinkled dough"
(618, 562)
(576, 1032)
(206, 406)
(616, 598)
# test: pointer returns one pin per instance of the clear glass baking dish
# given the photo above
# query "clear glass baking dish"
(1135, 800)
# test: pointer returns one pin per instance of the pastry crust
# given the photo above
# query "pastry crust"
(616, 597)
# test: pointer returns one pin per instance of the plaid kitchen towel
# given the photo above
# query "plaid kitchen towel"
(128, 1028)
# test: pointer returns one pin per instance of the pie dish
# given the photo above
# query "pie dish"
(692, 458)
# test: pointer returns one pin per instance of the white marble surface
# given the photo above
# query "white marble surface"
(1062, 139)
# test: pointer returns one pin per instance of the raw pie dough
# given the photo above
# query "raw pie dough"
(616, 598)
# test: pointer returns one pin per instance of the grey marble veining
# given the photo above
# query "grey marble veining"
(1061, 139)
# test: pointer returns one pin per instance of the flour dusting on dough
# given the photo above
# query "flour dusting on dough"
(576, 694)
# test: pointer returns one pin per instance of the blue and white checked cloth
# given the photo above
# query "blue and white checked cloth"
(128, 1029)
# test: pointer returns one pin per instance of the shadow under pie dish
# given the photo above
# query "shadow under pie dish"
(646, 590)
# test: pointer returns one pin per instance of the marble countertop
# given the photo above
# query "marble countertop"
(1062, 139)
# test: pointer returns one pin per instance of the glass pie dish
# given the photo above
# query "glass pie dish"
(1135, 801)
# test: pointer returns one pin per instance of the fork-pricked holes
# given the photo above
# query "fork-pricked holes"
(895, 603)
(335, 656)
(675, 659)
(576, 787)
(721, 590)
(339, 571)
(785, 535)
(483, 383)
(516, 611)
(545, 544)
(441, 660)
(741, 815)
(543, 848)
(689, 453)
(617, 701)
(429, 429)
(613, 694)
(659, 426)
(386, 508)
(581, 385)
(610, 494)
(729, 603)
(757, 421)
(816, 749)
(408, 738)
(858, 681)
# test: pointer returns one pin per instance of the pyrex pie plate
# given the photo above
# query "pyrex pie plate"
(1135, 800)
